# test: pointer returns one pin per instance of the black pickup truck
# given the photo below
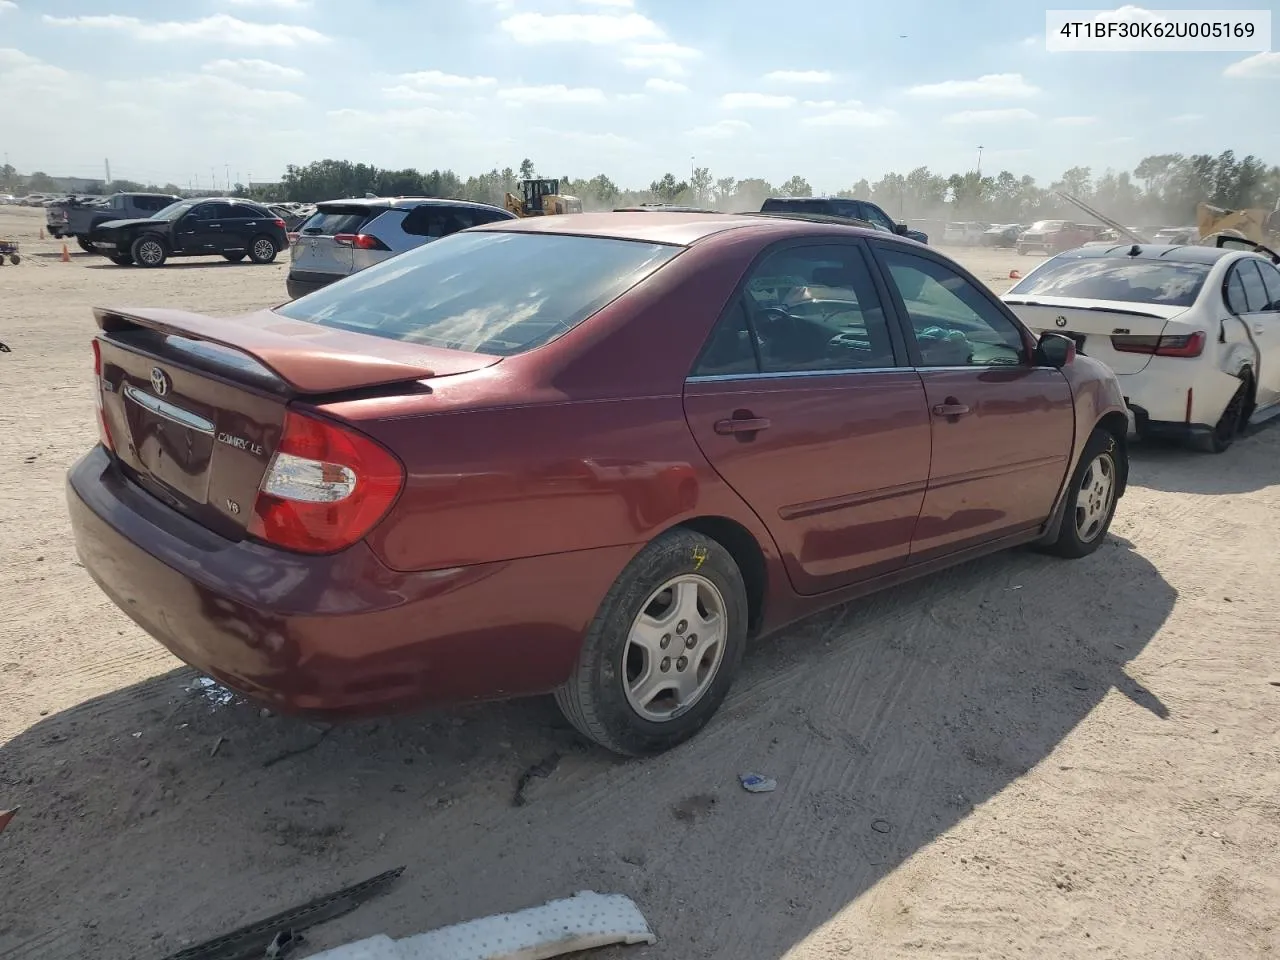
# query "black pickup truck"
(79, 216)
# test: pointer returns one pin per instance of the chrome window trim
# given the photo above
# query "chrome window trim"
(169, 411)
(791, 374)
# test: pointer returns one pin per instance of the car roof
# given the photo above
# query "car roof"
(1183, 252)
(681, 229)
(403, 203)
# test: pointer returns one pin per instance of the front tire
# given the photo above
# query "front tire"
(262, 249)
(1091, 497)
(149, 252)
(234, 257)
(661, 653)
(84, 244)
(121, 259)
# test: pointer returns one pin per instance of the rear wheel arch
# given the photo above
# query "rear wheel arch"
(747, 554)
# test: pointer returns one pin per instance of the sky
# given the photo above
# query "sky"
(207, 90)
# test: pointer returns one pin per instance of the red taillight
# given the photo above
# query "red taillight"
(104, 432)
(1185, 345)
(326, 487)
(361, 241)
(278, 222)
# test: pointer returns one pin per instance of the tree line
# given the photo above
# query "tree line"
(1161, 189)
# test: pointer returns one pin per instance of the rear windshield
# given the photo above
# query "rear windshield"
(490, 292)
(335, 220)
(1130, 280)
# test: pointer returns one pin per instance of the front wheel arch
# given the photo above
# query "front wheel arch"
(1117, 424)
(747, 554)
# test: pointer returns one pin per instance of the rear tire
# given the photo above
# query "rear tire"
(84, 244)
(642, 649)
(148, 252)
(234, 257)
(1232, 422)
(262, 249)
(1091, 497)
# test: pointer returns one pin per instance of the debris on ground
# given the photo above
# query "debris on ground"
(584, 921)
(252, 942)
(690, 808)
(881, 826)
(542, 769)
(6, 816)
(296, 751)
(213, 751)
(757, 783)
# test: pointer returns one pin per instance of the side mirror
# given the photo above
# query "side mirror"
(900, 229)
(1055, 350)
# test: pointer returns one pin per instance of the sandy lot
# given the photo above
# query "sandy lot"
(1021, 758)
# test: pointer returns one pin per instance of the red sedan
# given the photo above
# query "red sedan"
(586, 455)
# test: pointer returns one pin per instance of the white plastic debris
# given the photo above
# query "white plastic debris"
(757, 783)
(584, 921)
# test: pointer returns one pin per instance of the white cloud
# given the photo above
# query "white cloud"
(21, 71)
(261, 70)
(991, 85)
(851, 114)
(1259, 65)
(1127, 13)
(434, 78)
(1032, 41)
(219, 28)
(824, 104)
(1074, 121)
(592, 28)
(7, 5)
(659, 85)
(722, 130)
(383, 120)
(1187, 118)
(403, 91)
(756, 101)
(208, 89)
(283, 4)
(609, 3)
(800, 76)
(551, 93)
(631, 97)
(665, 57)
(1012, 115)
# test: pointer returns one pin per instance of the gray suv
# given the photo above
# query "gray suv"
(344, 236)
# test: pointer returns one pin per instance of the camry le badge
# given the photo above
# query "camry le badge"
(159, 381)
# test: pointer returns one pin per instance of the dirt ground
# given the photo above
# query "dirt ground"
(1023, 757)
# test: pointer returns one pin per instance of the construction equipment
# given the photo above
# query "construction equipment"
(1115, 225)
(1254, 223)
(9, 249)
(541, 198)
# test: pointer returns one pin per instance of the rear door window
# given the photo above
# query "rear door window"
(334, 220)
(433, 221)
(1271, 281)
(498, 293)
(1254, 291)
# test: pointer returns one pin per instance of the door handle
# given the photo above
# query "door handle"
(951, 408)
(741, 425)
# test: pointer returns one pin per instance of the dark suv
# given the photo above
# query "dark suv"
(204, 227)
(846, 209)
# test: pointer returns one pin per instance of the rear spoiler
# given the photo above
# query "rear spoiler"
(308, 358)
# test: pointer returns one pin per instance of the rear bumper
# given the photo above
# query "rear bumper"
(341, 634)
(300, 283)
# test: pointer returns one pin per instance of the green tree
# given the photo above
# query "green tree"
(700, 184)
(725, 188)
(797, 186)
(526, 169)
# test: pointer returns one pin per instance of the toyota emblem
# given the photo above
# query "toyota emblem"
(159, 381)
(1061, 321)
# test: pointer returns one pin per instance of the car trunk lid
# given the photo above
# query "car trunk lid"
(1093, 323)
(195, 405)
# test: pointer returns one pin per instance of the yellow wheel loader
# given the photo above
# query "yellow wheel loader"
(1256, 224)
(541, 198)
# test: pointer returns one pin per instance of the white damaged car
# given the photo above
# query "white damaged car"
(1192, 332)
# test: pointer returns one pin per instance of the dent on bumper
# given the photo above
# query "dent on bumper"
(337, 634)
